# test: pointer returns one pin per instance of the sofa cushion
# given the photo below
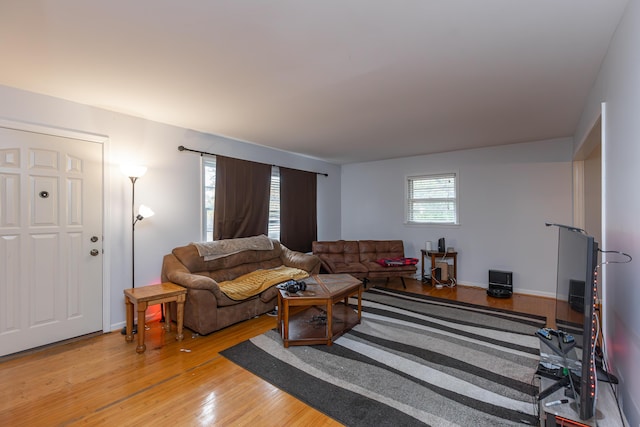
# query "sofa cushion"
(372, 250)
(338, 267)
(189, 256)
(341, 256)
(344, 251)
(377, 271)
(269, 295)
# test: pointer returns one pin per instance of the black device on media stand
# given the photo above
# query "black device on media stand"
(441, 245)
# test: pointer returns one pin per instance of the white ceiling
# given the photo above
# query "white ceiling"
(339, 80)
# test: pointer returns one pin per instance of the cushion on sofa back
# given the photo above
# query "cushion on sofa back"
(373, 250)
(234, 272)
(344, 251)
(341, 256)
(188, 255)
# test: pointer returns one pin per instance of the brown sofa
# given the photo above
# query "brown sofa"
(207, 308)
(360, 258)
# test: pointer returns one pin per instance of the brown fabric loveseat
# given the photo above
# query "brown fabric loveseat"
(207, 308)
(360, 258)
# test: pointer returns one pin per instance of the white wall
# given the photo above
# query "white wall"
(171, 185)
(618, 85)
(506, 194)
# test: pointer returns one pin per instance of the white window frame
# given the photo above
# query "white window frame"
(208, 205)
(455, 198)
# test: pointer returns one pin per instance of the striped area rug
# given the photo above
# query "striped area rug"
(414, 360)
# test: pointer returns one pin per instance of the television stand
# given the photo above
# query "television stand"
(561, 383)
(567, 414)
(554, 389)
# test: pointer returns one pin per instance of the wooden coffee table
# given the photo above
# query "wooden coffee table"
(321, 313)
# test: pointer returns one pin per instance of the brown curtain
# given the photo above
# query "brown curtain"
(242, 198)
(298, 217)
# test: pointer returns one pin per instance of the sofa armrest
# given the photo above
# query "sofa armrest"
(327, 264)
(193, 281)
(306, 262)
(176, 272)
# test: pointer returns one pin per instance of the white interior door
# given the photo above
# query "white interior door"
(51, 191)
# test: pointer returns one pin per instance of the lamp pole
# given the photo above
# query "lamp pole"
(133, 230)
(133, 172)
(133, 243)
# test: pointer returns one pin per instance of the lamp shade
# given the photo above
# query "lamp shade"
(145, 211)
(133, 171)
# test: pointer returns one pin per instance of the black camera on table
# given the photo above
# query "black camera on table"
(293, 286)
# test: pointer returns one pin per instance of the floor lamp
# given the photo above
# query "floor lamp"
(135, 172)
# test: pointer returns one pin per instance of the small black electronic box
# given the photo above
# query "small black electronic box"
(500, 284)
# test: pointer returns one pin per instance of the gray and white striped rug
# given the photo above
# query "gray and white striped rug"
(414, 360)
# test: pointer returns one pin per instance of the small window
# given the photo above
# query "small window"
(432, 199)
(208, 196)
(274, 204)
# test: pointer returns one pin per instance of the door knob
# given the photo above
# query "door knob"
(94, 252)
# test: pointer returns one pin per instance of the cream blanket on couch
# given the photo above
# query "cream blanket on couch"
(253, 283)
(222, 248)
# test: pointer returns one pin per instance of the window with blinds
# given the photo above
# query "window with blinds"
(274, 204)
(209, 195)
(432, 199)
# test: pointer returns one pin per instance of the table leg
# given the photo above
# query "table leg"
(128, 305)
(142, 310)
(180, 319)
(279, 313)
(455, 268)
(359, 304)
(329, 322)
(167, 316)
(285, 323)
(433, 269)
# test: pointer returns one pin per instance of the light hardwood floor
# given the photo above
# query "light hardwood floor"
(103, 381)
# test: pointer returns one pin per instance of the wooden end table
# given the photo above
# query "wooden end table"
(323, 313)
(442, 256)
(149, 295)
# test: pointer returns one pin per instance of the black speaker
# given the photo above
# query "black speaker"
(441, 245)
(500, 284)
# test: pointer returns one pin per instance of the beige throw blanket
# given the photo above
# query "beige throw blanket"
(253, 283)
(222, 248)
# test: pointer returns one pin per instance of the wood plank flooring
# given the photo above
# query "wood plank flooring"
(103, 381)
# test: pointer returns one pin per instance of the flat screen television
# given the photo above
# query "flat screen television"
(576, 301)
